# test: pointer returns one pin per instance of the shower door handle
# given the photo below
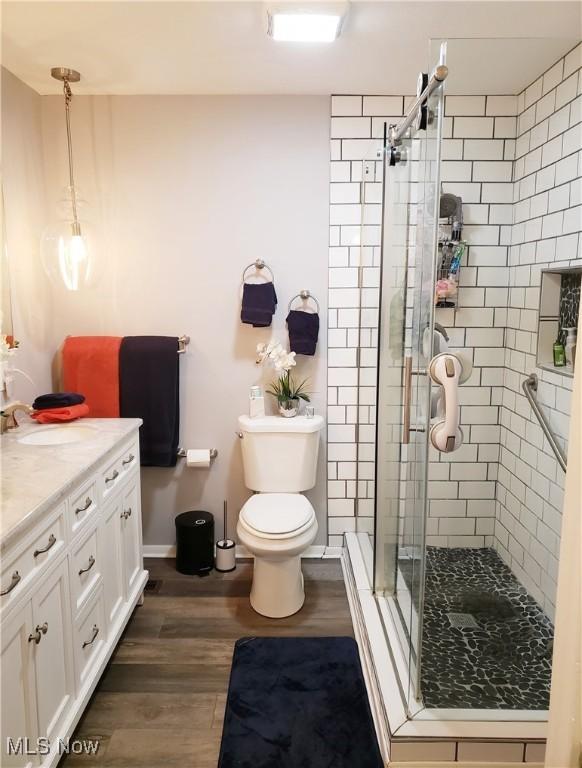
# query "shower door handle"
(407, 428)
(407, 399)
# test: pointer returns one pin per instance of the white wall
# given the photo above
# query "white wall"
(189, 190)
(23, 192)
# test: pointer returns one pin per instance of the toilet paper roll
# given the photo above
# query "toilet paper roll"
(198, 457)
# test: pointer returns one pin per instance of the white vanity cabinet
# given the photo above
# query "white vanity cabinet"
(18, 710)
(70, 579)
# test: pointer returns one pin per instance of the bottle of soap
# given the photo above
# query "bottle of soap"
(256, 403)
(559, 354)
(570, 346)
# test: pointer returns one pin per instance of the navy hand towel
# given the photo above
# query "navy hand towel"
(57, 400)
(149, 390)
(259, 302)
(303, 331)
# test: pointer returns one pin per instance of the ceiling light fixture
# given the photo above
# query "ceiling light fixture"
(66, 245)
(306, 23)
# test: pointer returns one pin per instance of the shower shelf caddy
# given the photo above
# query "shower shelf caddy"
(446, 252)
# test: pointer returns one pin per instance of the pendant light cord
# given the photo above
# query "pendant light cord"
(76, 227)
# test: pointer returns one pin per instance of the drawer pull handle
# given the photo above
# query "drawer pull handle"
(88, 568)
(92, 640)
(126, 513)
(16, 577)
(129, 459)
(113, 477)
(51, 542)
(39, 631)
(88, 503)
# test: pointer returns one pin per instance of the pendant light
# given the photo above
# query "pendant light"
(67, 244)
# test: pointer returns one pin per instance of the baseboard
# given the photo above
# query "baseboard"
(159, 550)
(461, 764)
(318, 551)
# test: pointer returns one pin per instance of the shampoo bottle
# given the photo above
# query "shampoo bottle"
(559, 355)
(570, 346)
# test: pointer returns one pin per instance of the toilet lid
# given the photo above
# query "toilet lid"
(277, 513)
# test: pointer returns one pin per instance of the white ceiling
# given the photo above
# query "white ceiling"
(222, 48)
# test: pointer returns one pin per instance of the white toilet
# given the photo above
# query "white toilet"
(278, 523)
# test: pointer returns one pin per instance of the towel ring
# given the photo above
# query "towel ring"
(304, 295)
(258, 264)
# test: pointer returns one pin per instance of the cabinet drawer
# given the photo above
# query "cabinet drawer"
(83, 505)
(119, 468)
(130, 456)
(111, 477)
(89, 636)
(43, 545)
(49, 541)
(86, 568)
(14, 575)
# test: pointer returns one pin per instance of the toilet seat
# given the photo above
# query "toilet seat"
(276, 515)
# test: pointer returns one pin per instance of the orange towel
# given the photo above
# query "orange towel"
(91, 367)
(56, 415)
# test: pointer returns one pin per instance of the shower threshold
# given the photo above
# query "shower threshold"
(385, 668)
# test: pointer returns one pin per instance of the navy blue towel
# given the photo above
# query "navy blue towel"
(298, 702)
(149, 368)
(57, 400)
(303, 331)
(259, 303)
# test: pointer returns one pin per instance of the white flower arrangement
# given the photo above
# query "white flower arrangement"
(284, 389)
(277, 356)
(8, 349)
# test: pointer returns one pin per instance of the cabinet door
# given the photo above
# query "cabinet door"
(131, 534)
(113, 579)
(18, 722)
(53, 654)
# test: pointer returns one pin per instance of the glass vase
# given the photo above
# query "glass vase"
(289, 407)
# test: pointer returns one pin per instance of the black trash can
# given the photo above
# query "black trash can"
(195, 543)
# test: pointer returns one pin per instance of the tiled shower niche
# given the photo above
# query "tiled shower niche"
(559, 309)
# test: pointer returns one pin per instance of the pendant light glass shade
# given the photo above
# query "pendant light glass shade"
(68, 244)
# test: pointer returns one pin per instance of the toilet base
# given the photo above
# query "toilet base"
(277, 589)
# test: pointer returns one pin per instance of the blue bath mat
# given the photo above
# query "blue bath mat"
(298, 703)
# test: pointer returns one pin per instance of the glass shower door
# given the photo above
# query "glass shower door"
(409, 238)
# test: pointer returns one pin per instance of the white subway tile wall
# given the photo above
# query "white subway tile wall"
(547, 222)
(518, 173)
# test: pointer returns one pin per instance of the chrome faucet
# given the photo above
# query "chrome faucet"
(7, 417)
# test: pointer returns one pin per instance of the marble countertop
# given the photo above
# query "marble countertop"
(37, 477)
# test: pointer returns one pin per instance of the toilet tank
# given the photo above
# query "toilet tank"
(280, 455)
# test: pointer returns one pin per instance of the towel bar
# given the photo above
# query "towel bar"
(183, 342)
(258, 264)
(305, 295)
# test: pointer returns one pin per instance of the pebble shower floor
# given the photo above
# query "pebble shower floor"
(503, 663)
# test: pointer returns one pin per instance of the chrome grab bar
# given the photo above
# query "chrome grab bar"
(530, 387)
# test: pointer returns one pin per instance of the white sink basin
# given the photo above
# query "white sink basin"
(58, 435)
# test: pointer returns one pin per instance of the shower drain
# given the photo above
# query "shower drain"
(462, 621)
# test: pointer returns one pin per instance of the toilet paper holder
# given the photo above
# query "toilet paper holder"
(182, 453)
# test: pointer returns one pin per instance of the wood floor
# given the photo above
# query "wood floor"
(160, 702)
